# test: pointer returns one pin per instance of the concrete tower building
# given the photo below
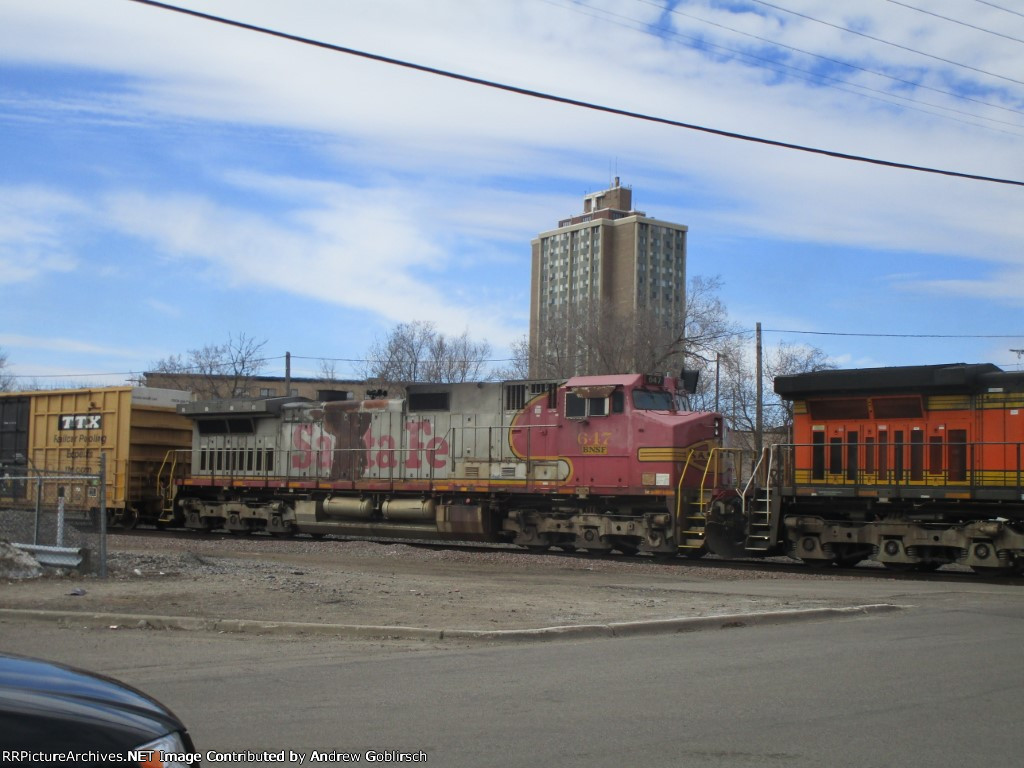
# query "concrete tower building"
(610, 271)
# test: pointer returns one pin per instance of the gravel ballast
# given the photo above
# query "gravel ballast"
(395, 584)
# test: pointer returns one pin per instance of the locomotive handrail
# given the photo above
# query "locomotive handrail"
(160, 473)
(712, 459)
(768, 451)
(909, 464)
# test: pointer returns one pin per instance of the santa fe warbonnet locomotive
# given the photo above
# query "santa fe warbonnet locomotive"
(599, 463)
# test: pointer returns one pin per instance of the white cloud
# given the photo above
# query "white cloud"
(56, 344)
(33, 223)
(364, 249)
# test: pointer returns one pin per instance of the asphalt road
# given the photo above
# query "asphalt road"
(939, 683)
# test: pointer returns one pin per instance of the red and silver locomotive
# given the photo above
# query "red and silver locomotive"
(595, 462)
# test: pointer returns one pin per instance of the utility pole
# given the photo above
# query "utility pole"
(718, 366)
(287, 373)
(759, 419)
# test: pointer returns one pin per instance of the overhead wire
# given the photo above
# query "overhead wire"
(901, 335)
(999, 7)
(820, 78)
(842, 63)
(955, 21)
(900, 46)
(575, 102)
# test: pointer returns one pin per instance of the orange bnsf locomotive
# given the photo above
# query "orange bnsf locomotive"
(914, 467)
(597, 462)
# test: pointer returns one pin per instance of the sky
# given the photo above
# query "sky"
(167, 181)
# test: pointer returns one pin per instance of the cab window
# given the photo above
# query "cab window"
(577, 407)
(653, 400)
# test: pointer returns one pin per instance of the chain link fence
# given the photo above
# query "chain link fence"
(60, 518)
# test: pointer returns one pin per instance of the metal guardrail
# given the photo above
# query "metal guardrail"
(57, 557)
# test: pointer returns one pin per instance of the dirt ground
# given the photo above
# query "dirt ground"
(388, 584)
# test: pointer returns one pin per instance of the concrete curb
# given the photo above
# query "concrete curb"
(357, 631)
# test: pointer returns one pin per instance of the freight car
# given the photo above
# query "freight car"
(63, 432)
(914, 467)
(597, 462)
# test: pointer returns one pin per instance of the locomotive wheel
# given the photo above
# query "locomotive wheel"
(538, 549)
(626, 546)
(129, 518)
(695, 554)
(848, 557)
(568, 548)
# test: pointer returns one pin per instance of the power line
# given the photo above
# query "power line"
(955, 21)
(866, 36)
(840, 62)
(575, 102)
(829, 81)
(901, 335)
(999, 7)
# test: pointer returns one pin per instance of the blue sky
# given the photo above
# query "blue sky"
(167, 181)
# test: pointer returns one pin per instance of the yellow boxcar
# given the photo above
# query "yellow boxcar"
(60, 434)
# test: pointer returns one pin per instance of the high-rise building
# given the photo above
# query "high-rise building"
(604, 284)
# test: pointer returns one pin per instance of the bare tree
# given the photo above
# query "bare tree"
(787, 359)
(740, 389)
(215, 371)
(458, 358)
(518, 365)
(7, 381)
(327, 370)
(417, 351)
(706, 322)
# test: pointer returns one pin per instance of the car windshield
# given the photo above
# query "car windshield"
(657, 400)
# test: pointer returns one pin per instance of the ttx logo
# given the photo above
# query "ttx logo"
(80, 421)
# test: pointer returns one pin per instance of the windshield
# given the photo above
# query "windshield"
(658, 400)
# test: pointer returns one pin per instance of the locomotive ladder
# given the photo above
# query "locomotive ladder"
(166, 490)
(760, 518)
(693, 520)
(694, 523)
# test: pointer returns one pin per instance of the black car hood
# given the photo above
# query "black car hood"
(52, 707)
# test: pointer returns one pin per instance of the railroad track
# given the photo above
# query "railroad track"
(775, 565)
